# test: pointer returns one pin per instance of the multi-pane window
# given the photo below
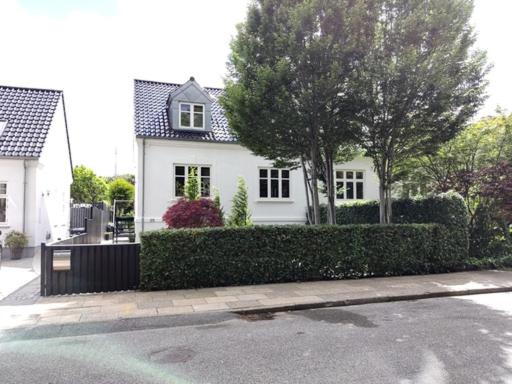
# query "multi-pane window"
(274, 183)
(191, 115)
(183, 172)
(349, 185)
(3, 202)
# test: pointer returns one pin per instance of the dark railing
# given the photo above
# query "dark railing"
(81, 268)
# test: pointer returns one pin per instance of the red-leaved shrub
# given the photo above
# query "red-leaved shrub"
(193, 214)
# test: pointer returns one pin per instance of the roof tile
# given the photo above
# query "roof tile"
(28, 113)
(151, 116)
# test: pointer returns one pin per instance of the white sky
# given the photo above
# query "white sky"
(93, 49)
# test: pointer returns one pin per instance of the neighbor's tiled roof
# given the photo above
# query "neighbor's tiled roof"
(151, 115)
(29, 114)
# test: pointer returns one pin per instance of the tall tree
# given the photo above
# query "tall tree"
(419, 84)
(86, 186)
(287, 95)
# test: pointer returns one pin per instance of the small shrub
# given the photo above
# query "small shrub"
(240, 214)
(193, 258)
(193, 214)
(192, 185)
(16, 240)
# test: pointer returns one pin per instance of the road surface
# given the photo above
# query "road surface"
(450, 340)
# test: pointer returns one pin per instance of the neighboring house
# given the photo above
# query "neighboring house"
(35, 165)
(180, 127)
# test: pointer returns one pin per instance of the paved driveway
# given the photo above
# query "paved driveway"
(14, 274)
(439, 341)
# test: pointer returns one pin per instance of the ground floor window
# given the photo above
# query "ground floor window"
(3, 202)
(183, 172)
(274, 183)
(349, 185)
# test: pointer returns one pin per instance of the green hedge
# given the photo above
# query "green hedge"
(193, 258)
(446, 208)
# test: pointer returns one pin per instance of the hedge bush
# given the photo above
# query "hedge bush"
(446, 208)
(193, 258)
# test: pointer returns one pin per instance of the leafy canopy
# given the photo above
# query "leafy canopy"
(87, 187)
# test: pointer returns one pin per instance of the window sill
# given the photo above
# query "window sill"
(275, 200)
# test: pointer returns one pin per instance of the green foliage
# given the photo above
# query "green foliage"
(16, 240)
(87, 187)
(445, 208)
(192, 185)
(126, 176)
(216, 201)
(120, 189)
(287, 96)
(420, 82)
(240, 214)
(193, 258)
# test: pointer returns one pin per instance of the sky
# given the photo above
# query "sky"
(93, 49)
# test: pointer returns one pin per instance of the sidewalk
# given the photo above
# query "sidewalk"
(255, 298)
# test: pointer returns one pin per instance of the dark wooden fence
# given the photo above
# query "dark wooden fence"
(81, 268)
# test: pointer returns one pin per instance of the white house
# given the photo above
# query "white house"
(180, 127)
(35, 165)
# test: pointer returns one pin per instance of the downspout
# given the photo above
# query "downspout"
(67, 134)
(143, 182)
(24, 226)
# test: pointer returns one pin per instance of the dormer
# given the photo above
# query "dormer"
(190, 108)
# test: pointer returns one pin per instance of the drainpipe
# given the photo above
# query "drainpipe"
(24, 195)
(143, 182)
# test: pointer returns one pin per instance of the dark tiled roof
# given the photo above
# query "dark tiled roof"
(151, 118)
(29, 114)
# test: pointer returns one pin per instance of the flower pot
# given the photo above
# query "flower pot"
(16, 253)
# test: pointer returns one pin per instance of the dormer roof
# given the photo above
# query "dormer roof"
(152, 120)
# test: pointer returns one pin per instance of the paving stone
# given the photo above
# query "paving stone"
(254, 296)
(175, 310)
(197, 301)
(244, 304)
(210, 307)
(221, 299)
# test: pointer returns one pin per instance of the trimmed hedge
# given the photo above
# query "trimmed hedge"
(193, 258)
(446, 208)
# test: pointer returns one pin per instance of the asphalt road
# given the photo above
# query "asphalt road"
(449, 340)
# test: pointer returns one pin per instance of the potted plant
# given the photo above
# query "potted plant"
(16, 241)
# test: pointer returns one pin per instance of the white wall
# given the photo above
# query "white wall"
(11, 172)
(227, 162)
(54, 178)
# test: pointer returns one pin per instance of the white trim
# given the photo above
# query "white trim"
(354, 180)
(187, 166)
(192, 106)
(279, 179)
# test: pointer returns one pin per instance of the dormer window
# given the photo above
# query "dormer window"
(191, 116)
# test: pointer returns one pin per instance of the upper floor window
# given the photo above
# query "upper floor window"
(3, 202)
(183, 172)
(191, 116)
(274, 183)
(349, 185)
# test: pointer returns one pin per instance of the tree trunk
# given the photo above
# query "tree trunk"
(307, 189)
(314, 185)
(385, 201)
(330, 189)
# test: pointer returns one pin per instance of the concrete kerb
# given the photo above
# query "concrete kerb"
(367, 300)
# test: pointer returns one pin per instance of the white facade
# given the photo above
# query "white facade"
(155, 180)
(38, 190)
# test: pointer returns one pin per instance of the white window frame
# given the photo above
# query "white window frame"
(192, 107)
(187, 167)
(354, 180)
(279, 185)
(5, 197)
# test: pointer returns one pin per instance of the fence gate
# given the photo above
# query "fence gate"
(81, 268)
